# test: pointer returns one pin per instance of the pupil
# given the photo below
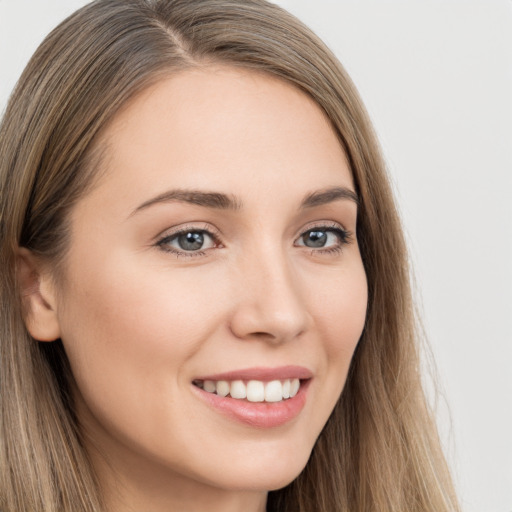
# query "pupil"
(315, 239)
(191, 241)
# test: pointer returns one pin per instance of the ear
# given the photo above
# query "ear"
(38, 296)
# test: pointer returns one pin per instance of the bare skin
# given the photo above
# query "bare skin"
(162, 290)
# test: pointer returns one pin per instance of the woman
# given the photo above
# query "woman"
(205, 286)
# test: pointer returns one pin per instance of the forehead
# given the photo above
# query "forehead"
(223, 126)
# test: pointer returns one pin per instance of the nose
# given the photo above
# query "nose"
(269, 304)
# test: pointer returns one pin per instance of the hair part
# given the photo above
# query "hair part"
(379, 450)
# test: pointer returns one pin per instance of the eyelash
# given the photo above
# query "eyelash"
(344, 237)
(163, 242)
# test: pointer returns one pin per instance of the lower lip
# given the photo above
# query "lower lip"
(258, 414)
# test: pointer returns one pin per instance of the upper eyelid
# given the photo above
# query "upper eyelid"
(185, 228)
(217, 233)
(322, 225)
(341, 232)
(166, 236)
(162, 242)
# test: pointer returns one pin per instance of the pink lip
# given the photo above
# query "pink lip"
(259, 414)
(263, 374)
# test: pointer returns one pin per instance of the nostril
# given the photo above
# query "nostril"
(262, 334)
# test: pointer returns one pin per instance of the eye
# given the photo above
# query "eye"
(188, 241)
(323, 238)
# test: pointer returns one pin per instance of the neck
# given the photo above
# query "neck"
(187, 497)
(135, 485)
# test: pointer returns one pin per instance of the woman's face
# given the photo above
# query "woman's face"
(217, 251)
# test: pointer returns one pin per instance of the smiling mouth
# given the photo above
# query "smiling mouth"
(253, 390)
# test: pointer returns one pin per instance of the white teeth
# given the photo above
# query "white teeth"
(273, 391)
(294, 387)
(222, 388)
(254, 390)
(238, 389)
(286, 389)
(210, 386)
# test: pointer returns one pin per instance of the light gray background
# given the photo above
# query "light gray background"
(436, 77)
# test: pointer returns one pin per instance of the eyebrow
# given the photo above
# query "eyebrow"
(329, 195)
(220, 201)
(214, 200)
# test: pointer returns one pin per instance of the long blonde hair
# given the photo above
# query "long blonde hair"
(379, 451)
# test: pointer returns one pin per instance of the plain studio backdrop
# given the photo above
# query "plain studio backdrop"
(436, 78)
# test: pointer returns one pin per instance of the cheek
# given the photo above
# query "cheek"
(126, 326)
(340, 309)
(136, 312)
(132, 331)
(340, 312)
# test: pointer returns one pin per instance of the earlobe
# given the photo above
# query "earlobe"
(38, 297)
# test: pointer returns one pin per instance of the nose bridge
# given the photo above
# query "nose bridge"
(270, 303)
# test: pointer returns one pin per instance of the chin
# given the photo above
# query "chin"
(265, 475)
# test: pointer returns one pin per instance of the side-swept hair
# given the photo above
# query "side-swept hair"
(379, 451)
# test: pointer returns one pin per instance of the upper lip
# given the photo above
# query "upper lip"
(262, 373)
